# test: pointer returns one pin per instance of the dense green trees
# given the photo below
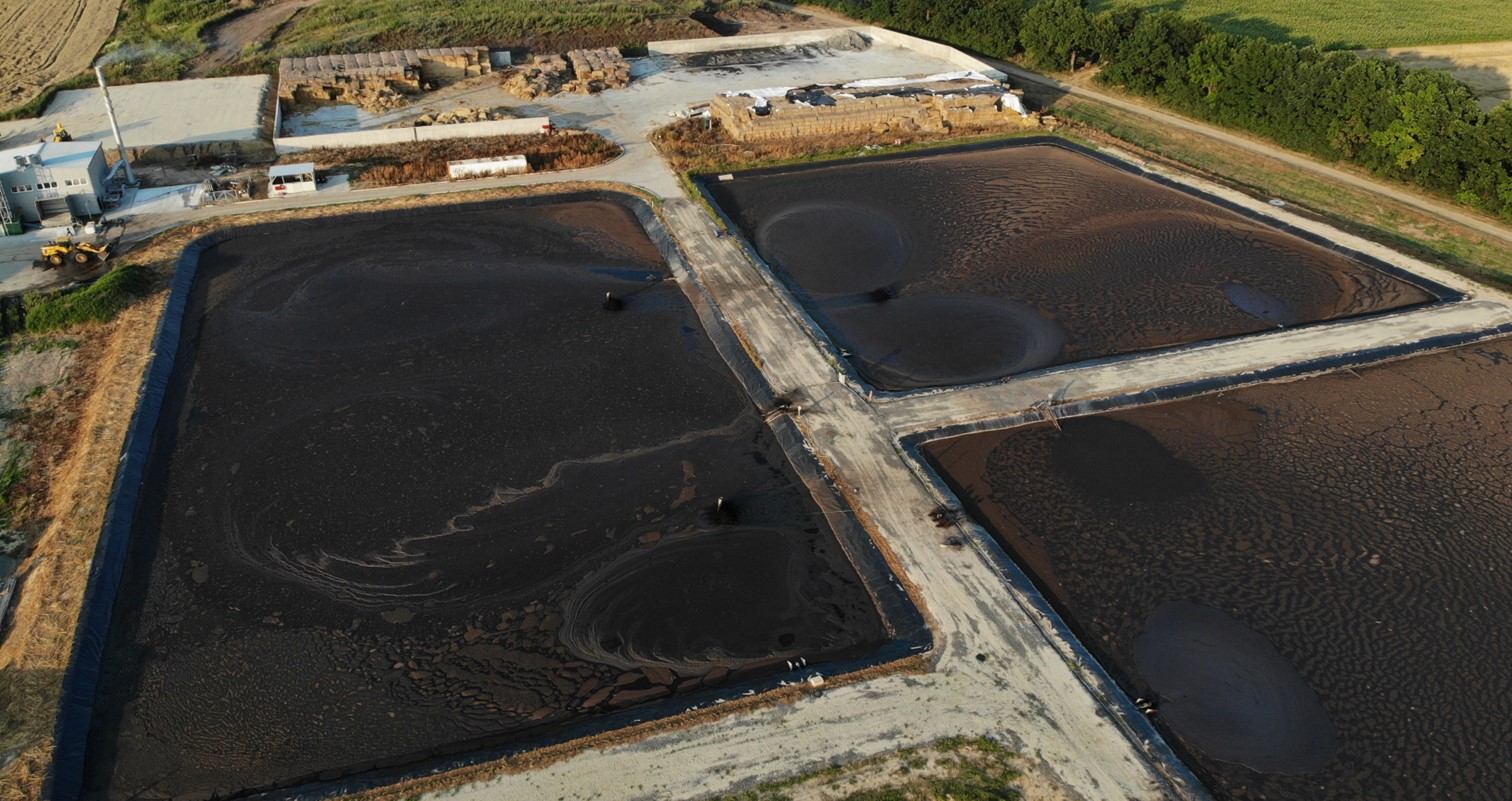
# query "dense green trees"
(1059, 34)
(1417, 126)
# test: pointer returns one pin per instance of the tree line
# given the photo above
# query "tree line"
(1414, 125)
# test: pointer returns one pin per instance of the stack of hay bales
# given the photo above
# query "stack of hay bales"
(546, 75)
(831, 110)
(376, 81)
(582, 71)
(456, 116)
(597, 70)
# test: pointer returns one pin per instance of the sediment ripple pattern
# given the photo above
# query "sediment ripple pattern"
(1356, 523)
(408, 464)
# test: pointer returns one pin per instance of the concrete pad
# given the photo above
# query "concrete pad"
(161, 200)
(153, 114)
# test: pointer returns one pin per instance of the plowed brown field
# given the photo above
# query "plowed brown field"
(45, 42)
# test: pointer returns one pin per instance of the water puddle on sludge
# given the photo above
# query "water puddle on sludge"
(419, 490)
(1094, 260)
(1306, 581)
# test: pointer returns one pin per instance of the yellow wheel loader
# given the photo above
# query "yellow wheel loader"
(86, 251)
(57, 252)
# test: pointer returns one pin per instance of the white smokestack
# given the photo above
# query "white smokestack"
(115, 128)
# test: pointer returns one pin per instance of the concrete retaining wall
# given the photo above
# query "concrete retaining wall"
(933, 49)
(748, 42)
(393, 136)
(872, 32)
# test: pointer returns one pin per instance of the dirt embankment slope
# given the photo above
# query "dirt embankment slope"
(45, 42)
(227, 40)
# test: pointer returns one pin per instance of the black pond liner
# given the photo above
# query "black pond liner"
(65, 778)
(1166, 758)
(798, 299)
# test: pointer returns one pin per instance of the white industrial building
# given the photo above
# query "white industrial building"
(54, 181)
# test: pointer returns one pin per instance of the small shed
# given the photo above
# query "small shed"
(291, 179)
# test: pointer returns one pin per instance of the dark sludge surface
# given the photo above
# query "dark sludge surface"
(1308, 580)
(1095, 261)
(423, 490)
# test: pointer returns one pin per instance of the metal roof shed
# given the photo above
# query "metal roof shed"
(289, 179)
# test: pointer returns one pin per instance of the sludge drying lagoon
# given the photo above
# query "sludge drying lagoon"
(977, 263)
(1307, 581)
(417, 490)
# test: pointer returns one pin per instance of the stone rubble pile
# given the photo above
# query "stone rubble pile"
(455, 116)
(580, 71)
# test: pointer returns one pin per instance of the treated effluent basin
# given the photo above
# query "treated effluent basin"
(1308, 580)
(955, 267)
(418, 490)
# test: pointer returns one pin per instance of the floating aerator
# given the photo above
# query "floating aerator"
(723, 512)
(612, 303)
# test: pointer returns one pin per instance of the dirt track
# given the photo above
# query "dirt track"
(1396, 192)
(227, 39)
(1485, 66)
(45, 42)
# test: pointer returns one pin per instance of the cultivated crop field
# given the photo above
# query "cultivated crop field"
(1347, 24)
(45, 42)
(358, 25)
(1486, 67)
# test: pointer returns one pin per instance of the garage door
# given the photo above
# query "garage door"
(54, 210)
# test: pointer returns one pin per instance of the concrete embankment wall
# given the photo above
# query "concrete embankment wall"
(676, 47)
(928, 48)
(872, 32)
(425, 133)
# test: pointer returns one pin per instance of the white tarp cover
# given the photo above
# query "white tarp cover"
(963, 75)
(285, 170)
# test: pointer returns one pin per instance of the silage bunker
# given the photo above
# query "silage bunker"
(973, 263)
(416, 491)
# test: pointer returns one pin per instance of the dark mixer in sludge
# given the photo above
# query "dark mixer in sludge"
(446, 479)
(967, 266)
(1305, 584)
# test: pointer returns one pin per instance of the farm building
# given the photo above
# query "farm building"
(54, 181)
(928, 103)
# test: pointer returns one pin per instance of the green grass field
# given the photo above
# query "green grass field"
(98, 302)
(1348, 24)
